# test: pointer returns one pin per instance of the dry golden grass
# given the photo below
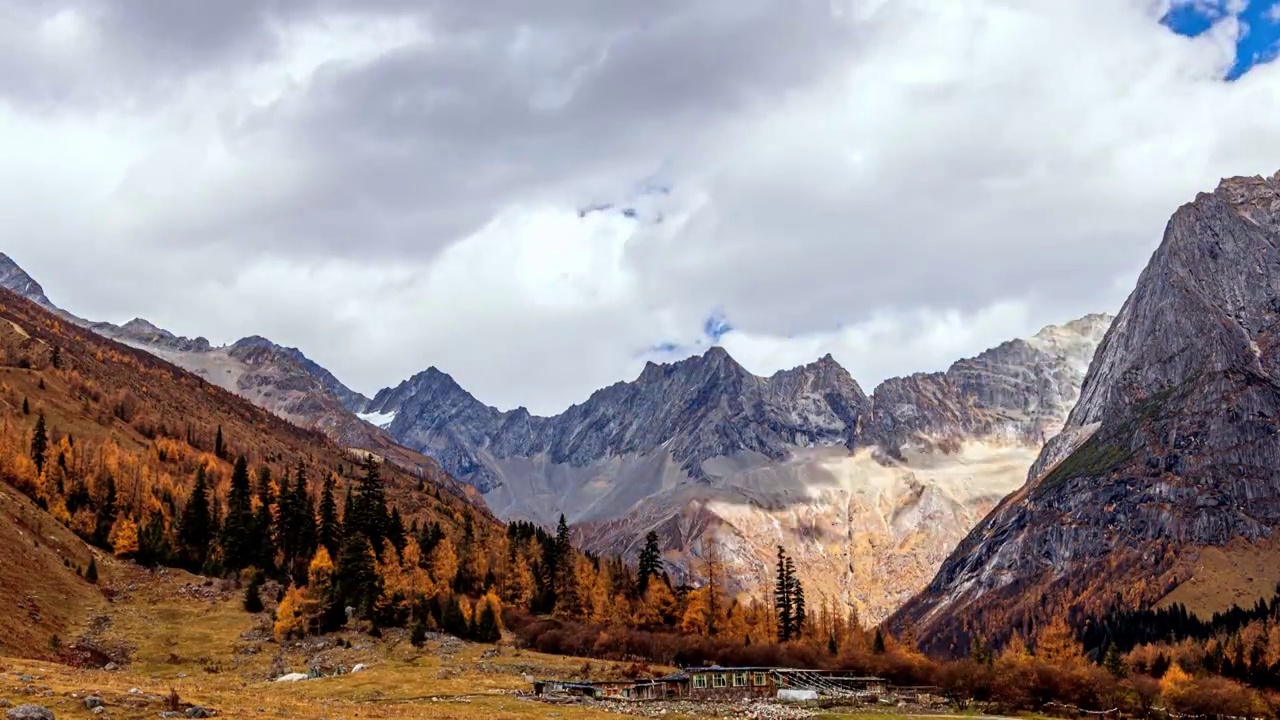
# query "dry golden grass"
(1239, 574)
(195, 639)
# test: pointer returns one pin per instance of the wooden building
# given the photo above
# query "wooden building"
(723, 683)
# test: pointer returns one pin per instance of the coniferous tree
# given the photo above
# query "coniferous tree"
(153, 546)
(219, 450)
(196, 529)
(238, 528)
(487, 630)
(782, 597)
(252, 596)
(452, 620)
(798, 611)
(305, 523)
(877, 646)
(39, 443)
(369, 511)
(286, 525)
(55, 358)
(262, 523)
(329, 533)
(106, 514)
(26, 407)
(92, 573)
(395, 529)
(650, 563)
(356, 580)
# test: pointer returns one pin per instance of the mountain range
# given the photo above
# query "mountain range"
(880, 486)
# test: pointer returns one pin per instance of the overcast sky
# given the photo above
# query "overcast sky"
(393, 184)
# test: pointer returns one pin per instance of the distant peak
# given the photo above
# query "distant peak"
(14, 278)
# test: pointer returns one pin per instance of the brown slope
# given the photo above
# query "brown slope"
(1174, 446)
(40, 589)
(164, 419)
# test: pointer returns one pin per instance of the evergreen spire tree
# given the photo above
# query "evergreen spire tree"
(650, 562)
(39, 443)
(305, 522)
(782, 597)
(798, 611)
(266, 548)
(395, 529)
(106, 514)
(195, 529)
(238, 529)
(370, 506)
(329, 533)
(219, 449)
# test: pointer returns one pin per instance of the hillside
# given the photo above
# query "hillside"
(1171, 453)
(112, 410)
(280, 379)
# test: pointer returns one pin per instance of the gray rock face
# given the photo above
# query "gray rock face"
(1173, 445)
(696, 409)
(709, 407)
(16, 279)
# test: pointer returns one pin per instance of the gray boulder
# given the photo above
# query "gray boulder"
(29, 712)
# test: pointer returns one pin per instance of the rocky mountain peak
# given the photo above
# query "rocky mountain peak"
(1173, 445)
(14, 278)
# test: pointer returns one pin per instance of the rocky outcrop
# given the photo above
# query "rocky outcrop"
(1174, 444)
(13, 277)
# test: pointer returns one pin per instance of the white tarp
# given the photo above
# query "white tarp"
(797, 695)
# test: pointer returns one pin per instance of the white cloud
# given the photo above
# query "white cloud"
(901, 183)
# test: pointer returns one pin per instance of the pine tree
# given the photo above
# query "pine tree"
(39, 443)
(395, 529)
(26, 407)
(877, 646)
(106, 514)
(369, 516)
(782, 597)
(304, 521)
(238, 528)
(196, 528)
(418, 633)
(219, 450)
(263, 521)
(487, 630)
(92, 573)
(452, 620)
(1113, 662)
(252, 596)
(356, 581)
(329, 534)
(55, 358)
(650, 562)
(798, 611)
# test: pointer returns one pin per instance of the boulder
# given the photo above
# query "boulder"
(198, 712)
(29, 712)
(292, 677)
(360, 667)
(93, 701)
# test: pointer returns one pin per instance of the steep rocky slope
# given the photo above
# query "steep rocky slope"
(879, 488)
(280, 379)
(1173, 446)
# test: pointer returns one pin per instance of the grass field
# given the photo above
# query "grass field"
(188, 635)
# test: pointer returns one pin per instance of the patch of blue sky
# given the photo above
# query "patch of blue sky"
(1259, 40)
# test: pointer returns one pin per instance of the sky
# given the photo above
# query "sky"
(540, 197)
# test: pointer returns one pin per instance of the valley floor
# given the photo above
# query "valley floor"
(171, 632)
